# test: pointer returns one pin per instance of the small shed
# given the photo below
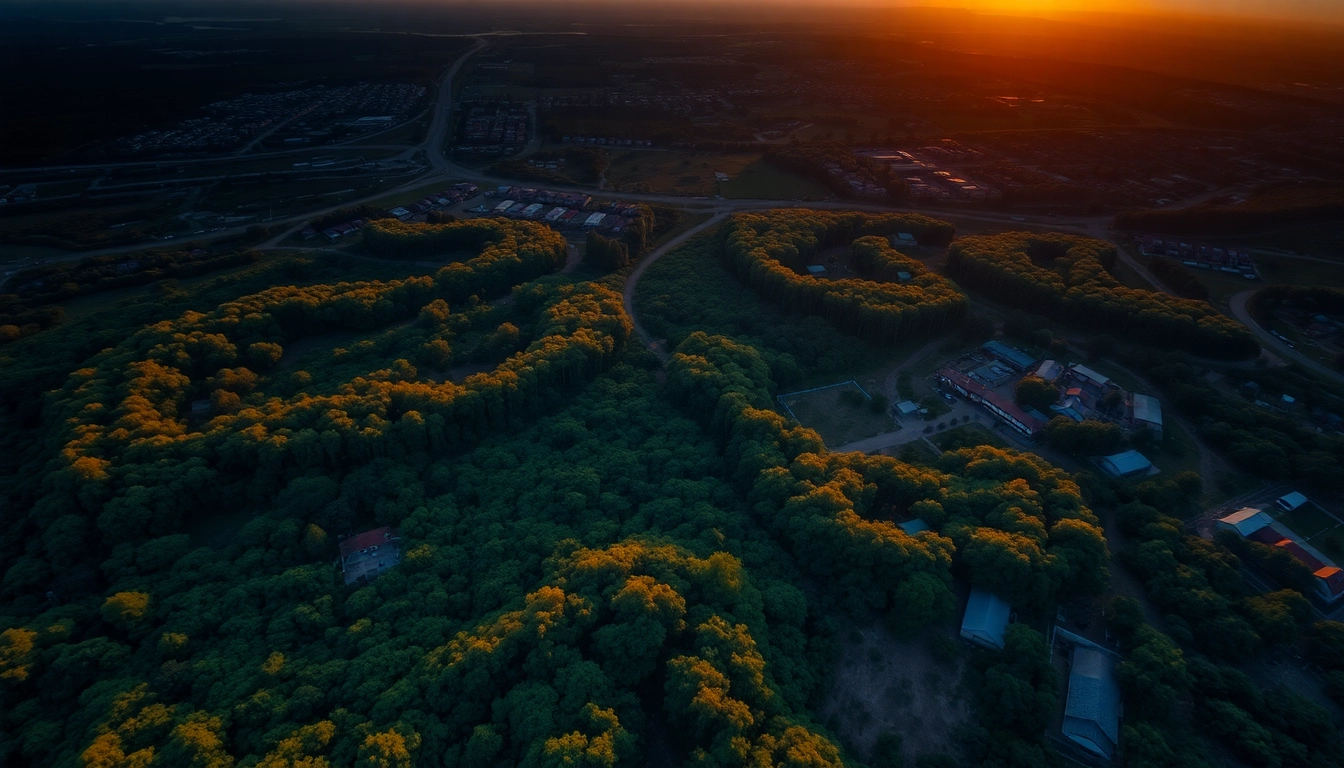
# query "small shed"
(907, 407)
(986, 619)
(816, 269)
(1290, 502)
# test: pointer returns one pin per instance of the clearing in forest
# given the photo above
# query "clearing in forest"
(841, 413)
(883, 685)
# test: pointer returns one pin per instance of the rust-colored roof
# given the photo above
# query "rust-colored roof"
(1333, 578)
(1301, 554)
(365, 540)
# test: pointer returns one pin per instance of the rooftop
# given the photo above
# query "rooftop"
(986, 618)
(1092, 714)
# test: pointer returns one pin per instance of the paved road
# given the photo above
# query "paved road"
(1238, 305)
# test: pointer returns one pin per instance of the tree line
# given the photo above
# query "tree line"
(767, 251)
(1067, 277)
(1183, 686)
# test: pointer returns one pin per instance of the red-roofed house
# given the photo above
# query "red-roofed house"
(1329, 583)
(365, 555)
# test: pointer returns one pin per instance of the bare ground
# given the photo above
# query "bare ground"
(885, 685)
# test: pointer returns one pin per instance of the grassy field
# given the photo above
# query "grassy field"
(837, 421)
(761, 180)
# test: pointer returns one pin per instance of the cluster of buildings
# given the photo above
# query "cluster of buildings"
(1258, 525)
(927, 179)
(496, 126)
(990, 375)
(563, 210)
(436, 201)
(336, 232)
(606, 141)
(306, 115)
(1093, 707)
(676, 101)
(1201, 255)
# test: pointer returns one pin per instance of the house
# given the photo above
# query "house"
(1125, 464)
(1245, 521)
(1290, 502)
(1329, 583)
(365, 555)
(1092, 711)
(986, 619)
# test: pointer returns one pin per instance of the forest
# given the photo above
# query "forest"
(605, 560)
(768, 251)
(1068, 278)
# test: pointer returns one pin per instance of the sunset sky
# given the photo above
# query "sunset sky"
(1329, 10)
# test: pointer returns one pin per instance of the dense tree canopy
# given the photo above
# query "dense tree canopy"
(1068, 277)
(769, 250)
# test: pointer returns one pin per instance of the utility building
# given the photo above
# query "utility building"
(1092, 714)
(986, 619)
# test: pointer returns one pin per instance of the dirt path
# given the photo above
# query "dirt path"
(631, 282)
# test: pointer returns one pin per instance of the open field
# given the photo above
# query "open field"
(761, 180)
(838, 421)
(883, 685)
(692, 174)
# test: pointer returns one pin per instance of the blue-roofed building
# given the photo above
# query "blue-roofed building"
(986, 619)
(1092, 714)
(1125, 464)
(911, 527)
(1015, 357)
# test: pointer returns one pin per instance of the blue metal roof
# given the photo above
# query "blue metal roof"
(1015, 356)
(986, 618)
(1092, 714)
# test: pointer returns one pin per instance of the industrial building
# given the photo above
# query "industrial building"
(1092, 711)
(1245, 521)
(986, 619)
(1016, 358)
(1127, 464)
(1146, 413)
